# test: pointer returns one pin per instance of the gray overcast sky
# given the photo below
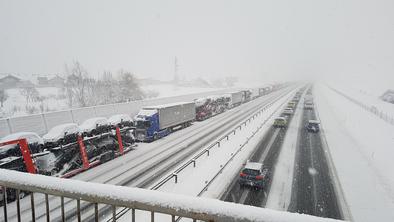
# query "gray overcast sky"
(274, 40)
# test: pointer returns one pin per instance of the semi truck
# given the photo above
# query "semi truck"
(235, 99)
(154, 122)
(255, 93)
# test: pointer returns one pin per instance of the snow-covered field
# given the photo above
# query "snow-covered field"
(54, 99)
(368, 95)
(167, 90)
(361, 146)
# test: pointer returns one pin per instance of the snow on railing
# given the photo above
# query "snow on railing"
(384, 116)
(140, 199)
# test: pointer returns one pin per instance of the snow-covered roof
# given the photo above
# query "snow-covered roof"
(147, 112)
(254, 165)
(115, 119)
(58, 131)
(314, 121)
(167, 105)
(280, 118)
(91, 123)
(29, 136)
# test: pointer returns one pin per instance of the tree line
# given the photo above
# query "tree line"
(82, 90)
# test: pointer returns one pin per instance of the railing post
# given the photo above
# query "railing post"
(96, 214)
(5, 203)
(46, 206)
(176, 177)
(133, 215)
(79, 210)
(152, 216)
(33, 211)
(62, 206)
(18, 205)
(113, 213)
(207, 152)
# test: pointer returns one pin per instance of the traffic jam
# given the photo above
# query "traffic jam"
(69, 149)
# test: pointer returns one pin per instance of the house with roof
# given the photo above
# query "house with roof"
(56, 81)
(9, 81)
(42, 81)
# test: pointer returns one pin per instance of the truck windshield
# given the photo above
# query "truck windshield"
(143, 124)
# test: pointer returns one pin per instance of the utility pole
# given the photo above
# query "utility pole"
(176, 78)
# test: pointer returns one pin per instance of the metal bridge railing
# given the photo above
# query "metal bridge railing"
(136, 199)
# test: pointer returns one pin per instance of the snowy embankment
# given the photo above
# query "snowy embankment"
(202, 208)
(279, 196)
(369, 98)
(361, 147)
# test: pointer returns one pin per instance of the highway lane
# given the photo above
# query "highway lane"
(313, 191)
(182, 143)
(267, 152)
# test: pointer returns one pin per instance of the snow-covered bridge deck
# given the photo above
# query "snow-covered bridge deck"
(154, 202)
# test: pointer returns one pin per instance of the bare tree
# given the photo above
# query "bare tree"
(3, 97)
(76, 84)
(30, 93)
(129, 88)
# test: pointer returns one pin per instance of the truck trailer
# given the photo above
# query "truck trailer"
(255, 93)
(154, 122)
(235, 99)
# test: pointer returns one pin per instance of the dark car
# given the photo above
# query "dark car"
(313, 126)
(254, 175)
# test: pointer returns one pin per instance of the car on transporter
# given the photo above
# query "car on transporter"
(35, 142)
(61, 135)
(94, 126)
(254, 175)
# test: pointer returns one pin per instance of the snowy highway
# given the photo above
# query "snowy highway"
(303, 178)
(313, 190)
(149, 161)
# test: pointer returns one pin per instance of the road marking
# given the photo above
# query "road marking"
(268, 148)
(244, 195)
(313, 176)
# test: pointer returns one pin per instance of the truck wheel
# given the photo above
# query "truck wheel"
(155, 137)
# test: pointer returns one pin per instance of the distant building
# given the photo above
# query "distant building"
(56, 81)
(42, 81)
(9, 81)
(388, 96)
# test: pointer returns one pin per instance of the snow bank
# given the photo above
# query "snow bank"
(361, 147)
(202, 208)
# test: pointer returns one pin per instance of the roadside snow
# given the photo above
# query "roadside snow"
(361, 146)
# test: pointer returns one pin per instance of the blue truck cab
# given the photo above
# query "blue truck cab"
(148, 126)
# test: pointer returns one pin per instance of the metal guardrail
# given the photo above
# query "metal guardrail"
(384, 116)
(136, 199)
